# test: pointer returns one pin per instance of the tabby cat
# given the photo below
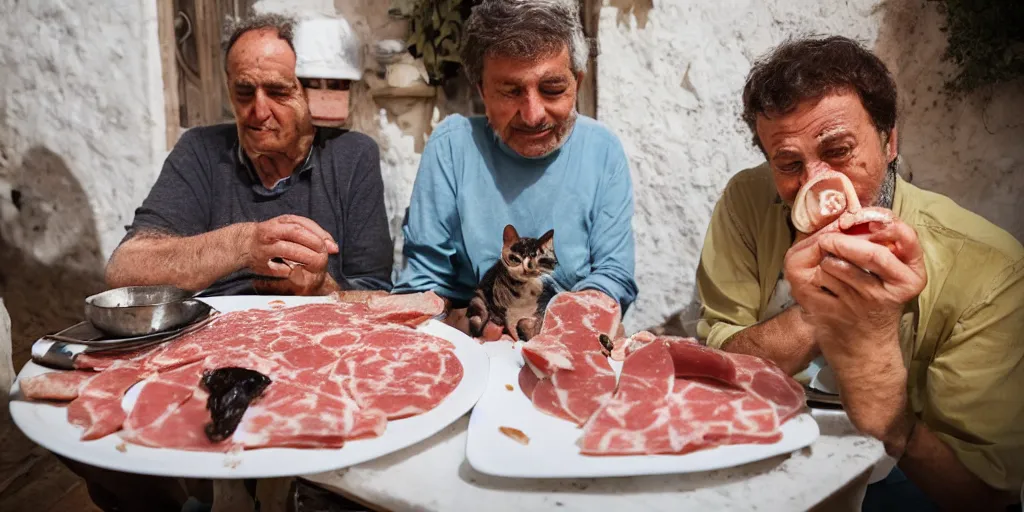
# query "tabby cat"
(514, 293)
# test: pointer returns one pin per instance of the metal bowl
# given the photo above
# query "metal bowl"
(140, 310)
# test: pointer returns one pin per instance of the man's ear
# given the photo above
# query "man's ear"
(579, 80)
(892, 146)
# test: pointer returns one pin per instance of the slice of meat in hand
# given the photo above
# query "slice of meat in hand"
(822, 200)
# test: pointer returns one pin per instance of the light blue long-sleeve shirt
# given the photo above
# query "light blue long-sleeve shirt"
(470, 185)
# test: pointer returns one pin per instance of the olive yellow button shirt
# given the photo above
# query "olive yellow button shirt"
(962, 338)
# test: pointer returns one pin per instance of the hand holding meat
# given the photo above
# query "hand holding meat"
(292, 248)
(853, 288)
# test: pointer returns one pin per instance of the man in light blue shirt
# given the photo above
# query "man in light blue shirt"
(532, 162)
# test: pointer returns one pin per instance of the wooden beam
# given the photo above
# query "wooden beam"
(165, 30)
(208, 22)
(590, 14)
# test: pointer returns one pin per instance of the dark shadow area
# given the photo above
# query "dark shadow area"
(52, 219)
(50, 262)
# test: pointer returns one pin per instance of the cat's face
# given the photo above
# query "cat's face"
(528, 258)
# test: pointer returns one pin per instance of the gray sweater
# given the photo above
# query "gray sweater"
(207, 183)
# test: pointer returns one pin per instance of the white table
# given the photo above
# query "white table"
(434, 476)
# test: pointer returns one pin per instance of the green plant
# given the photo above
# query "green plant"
(436, 34)
(986, 41)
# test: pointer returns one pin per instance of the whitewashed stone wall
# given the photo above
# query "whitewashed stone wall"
(81, 139)
(671, 90)
(81, 127)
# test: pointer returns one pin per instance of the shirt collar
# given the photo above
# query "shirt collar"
(284, 184)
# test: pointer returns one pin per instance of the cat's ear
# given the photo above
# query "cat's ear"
(509, 236)
(547, 240)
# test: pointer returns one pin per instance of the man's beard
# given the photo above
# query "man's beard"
(887, 192)
(561, 130)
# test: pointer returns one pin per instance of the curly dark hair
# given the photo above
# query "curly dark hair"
(810, 68)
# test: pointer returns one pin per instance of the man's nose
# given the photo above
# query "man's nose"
(812, 170)
(261, 107)
(532, 110)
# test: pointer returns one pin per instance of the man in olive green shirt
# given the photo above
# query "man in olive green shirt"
(927, 347)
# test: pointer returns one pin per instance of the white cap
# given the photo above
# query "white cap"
(327, 48)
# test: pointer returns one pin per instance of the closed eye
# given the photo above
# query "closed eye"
(547, 262)
(837, 153)
(515, 259)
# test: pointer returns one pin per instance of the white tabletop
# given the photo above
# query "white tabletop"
(434, 475)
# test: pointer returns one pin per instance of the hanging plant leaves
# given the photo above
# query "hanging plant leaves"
(436, 36)
(986, 42)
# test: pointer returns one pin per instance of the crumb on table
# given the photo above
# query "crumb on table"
(509, 387)
(516, 435)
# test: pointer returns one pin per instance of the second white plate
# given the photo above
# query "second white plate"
(552, 451)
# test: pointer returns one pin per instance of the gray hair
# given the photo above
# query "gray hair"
(234, 28)
(524, 29)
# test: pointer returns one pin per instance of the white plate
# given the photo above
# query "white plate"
(47, 424)
(552, 451)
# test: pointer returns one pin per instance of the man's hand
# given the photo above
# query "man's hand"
(299, 281)
(459, 319)
(854, 285)
(292, 249)
(852, 289)
(290, 238)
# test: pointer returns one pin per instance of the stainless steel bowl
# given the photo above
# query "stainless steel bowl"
(140, 310)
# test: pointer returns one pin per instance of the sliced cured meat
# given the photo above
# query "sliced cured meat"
(546, 353)
(709, 413)
(398, 372)
(729, 415)
(528, 381)
(573, 323)
(753, 374)
(339, 370)
(586, 311)
(289, 416)
(171, 412)
(575, 395)
(828, 203)
(822, 200)
(409, 309)
(766, 380)
(61, 386)
(100, 361)
(676, 396)
(98, 406)
(638, 414)
(567, 357)
(161, 394)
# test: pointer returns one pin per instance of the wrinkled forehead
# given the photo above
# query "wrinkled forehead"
(516, 67)
(261, 53)
(818, 120)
